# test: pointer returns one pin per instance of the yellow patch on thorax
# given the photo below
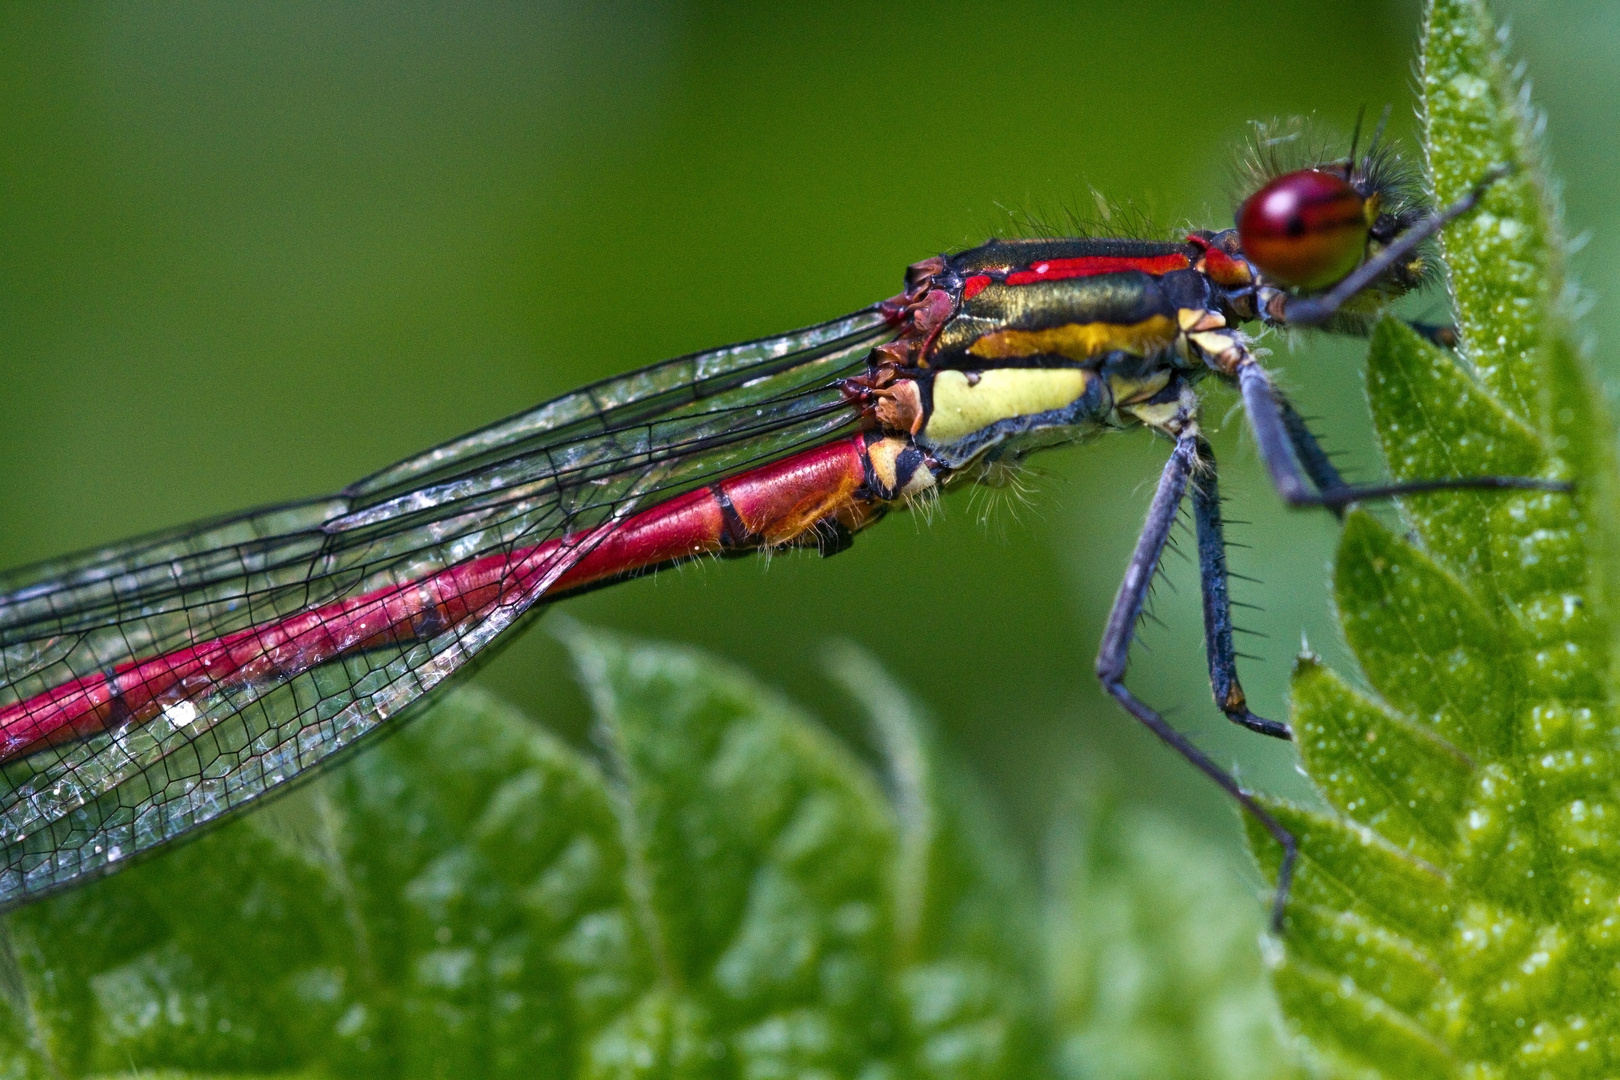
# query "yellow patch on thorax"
(1079, 340)
(963, 405)
(1128, 391)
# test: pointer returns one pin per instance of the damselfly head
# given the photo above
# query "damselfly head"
(1309, 220)
(1305, 229)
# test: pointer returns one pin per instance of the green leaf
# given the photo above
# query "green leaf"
(1427, 644)
(817, 929)
(474, 898)
(1151, 948)
(450, 901)
(1470, 432)
(736, 896)
(1347, 866)
(1504, 261)
(1457, 912)
(967, 918)
(1376, 767)
(759, 855)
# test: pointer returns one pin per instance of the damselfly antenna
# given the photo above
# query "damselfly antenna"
(1377, 137)
(1355, 137)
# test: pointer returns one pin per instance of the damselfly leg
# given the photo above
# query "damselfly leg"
(1191, 462)
(1215, 582)
(1281, 434)
(1301, 472)
(1302, 481)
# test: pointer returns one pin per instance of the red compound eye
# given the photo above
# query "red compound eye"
(1305, 229)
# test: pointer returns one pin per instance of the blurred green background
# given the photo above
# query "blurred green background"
(251, 252)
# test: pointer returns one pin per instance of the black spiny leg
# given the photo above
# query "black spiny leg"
(1312, 458)
(1278, 446)
(1114, 654)
(1223, 676)
(1318, 466)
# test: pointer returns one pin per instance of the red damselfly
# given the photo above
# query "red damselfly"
(154, 686)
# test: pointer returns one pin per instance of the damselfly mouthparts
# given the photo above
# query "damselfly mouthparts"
(154, 686)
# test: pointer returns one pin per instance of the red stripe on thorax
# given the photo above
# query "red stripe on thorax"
(975, 285)
(1089, 265)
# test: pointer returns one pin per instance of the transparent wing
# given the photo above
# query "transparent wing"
(153, 686)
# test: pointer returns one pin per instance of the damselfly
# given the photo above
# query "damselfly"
(154, 686)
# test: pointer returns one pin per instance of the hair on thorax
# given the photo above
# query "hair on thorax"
(1085, 217)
